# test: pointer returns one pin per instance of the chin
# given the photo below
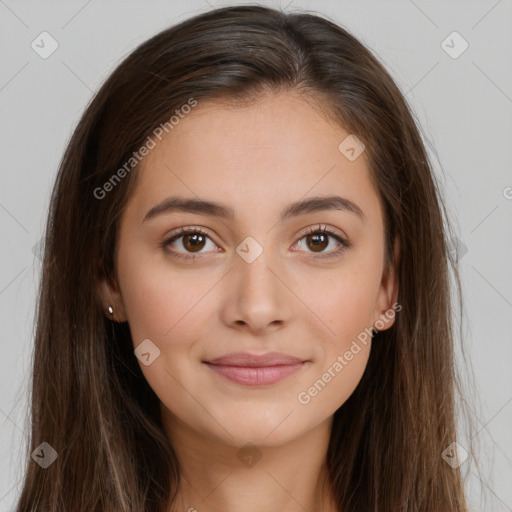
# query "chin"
(258, 427)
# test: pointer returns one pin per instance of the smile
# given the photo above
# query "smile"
(256, 375)
(252, 369)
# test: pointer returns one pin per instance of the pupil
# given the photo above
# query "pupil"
(319, 242)
(193, 241)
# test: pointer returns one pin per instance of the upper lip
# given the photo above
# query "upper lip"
(256, 360)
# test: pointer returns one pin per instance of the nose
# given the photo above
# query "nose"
(256, 299)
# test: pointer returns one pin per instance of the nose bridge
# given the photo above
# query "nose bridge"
(257, 297)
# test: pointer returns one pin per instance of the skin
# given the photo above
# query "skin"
(256, 160)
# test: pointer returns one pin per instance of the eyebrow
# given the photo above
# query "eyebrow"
(203, 207)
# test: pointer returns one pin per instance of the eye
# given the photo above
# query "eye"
(192, 240)
(319, 238)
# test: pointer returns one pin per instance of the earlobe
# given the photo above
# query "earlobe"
(111, 299)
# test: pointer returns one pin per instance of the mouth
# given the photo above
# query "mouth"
(256, 370)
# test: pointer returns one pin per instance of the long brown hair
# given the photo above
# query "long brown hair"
(89, 398)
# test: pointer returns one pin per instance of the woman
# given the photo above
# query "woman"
(245, 298)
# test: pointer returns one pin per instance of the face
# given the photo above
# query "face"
(263, 272)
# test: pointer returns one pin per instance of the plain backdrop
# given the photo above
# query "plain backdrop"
(462, 100)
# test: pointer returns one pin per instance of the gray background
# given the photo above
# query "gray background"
(463, 104)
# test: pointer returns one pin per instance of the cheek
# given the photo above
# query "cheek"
(346, 307)
(160, 302)
(335, 383)
(345, 300)
(170, 310)
(345, 353)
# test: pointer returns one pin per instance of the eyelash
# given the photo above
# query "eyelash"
(311, 231)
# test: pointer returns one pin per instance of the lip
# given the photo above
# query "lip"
(256, 369)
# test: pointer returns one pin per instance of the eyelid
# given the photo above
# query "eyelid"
(306, 231)
(184, 230)
(335, 233)
(323, 228)
(316, 228)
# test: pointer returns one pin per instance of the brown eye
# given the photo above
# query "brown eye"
(317, 242)
(194, 242)
(188, 243)
(322, 241)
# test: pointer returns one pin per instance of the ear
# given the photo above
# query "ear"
(110, 295)
(386, 304)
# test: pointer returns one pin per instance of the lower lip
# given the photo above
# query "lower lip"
(258, 375)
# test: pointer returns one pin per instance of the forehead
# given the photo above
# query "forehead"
(256, 158)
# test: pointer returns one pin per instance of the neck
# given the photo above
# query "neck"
(217, 477)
